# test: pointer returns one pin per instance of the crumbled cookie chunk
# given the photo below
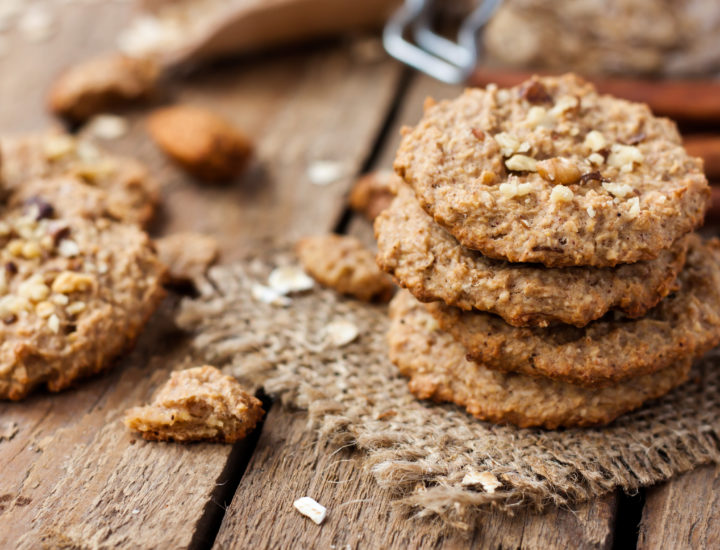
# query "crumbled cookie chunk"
(74, 293)
(203, 143)
(373, 193)
(102, 84)
(438, 370)
(187, 255)
(197, 404)
(430, 263)
(344, 264)
(573, 209)
(118, 187)
(612, 349)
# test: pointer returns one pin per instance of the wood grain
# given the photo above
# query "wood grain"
(683, 513)
(72, 475)
(287, 465)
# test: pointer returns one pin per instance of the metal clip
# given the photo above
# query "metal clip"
(449, 61)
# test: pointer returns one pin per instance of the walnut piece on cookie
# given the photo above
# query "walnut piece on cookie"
(102, 84)
(344, 264)
(74, 293)
(122, 187)
(551, 171)
(202, 142)
(197, 404)
(187, 255)
(373, 193)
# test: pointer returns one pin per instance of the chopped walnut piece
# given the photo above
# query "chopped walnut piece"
(68, 282)
(521, 163)
(102, 84)
(624, 157)
(561, 194)
(559, 170)
(344, 264)
(187, 255)
(534, 92)
(205, 144)
(197, 404)
(373, 193)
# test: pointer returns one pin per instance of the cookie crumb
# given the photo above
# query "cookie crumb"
(340, 333)
(325, 172)
(197, 404)
(373, 193)
(108, 127)
(311, 508)
(8, 430)
(187, 255)
(269, 295)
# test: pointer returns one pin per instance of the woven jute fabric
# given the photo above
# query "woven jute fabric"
(422, 451)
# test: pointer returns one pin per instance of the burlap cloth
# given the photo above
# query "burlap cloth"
(420, 450)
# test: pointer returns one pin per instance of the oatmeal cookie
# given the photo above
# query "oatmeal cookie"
(344, 264)
(552, 172)
(129, 193)
(612, 349)
(74, 293)
(203, 143)
(438, 370)
(101, 84)
(428, 261)
(197, 404)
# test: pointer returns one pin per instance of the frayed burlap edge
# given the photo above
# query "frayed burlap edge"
(422, 451)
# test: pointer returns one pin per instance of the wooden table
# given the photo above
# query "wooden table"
(73, 477)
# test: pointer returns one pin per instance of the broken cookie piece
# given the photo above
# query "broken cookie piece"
(102, 84)
(187, 255)
(345, 265)
(197, 404)
(373, 193)
(203, 143)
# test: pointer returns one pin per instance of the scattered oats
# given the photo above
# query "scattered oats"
(150, 35)
(310, 508)
(54, 323)
(596, 159)
(108, 126)
(8, 430)
(289, 278)
(68, 248)
(135, 511)
(560, 193)
(325, 172)
(75, 308)
(36, 24)
(521, 163)
(634, 210)
(268, 295)
(507, 142)
(487, 480)
(56, 147)
(624, 156)
(595, 141)
(590, 211)
(617, 189)
(340, 333)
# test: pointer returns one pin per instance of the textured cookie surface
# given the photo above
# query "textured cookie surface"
(343, 263)
(438, 370)
(552, 172)
(74, 293)
(428, 261)
(684, 324)
(197, 404)
(120, 187)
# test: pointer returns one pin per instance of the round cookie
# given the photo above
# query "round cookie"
(74, 293)
(438, 370)
(130, 195)
(607, 351)
(552, 172)
(428, 261)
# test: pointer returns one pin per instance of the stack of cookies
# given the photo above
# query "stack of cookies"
(544, 236)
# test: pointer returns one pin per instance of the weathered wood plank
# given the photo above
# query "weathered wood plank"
(287, 465)
(72, 475)
(683, 513)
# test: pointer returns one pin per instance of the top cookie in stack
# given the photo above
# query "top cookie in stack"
(548, 205)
